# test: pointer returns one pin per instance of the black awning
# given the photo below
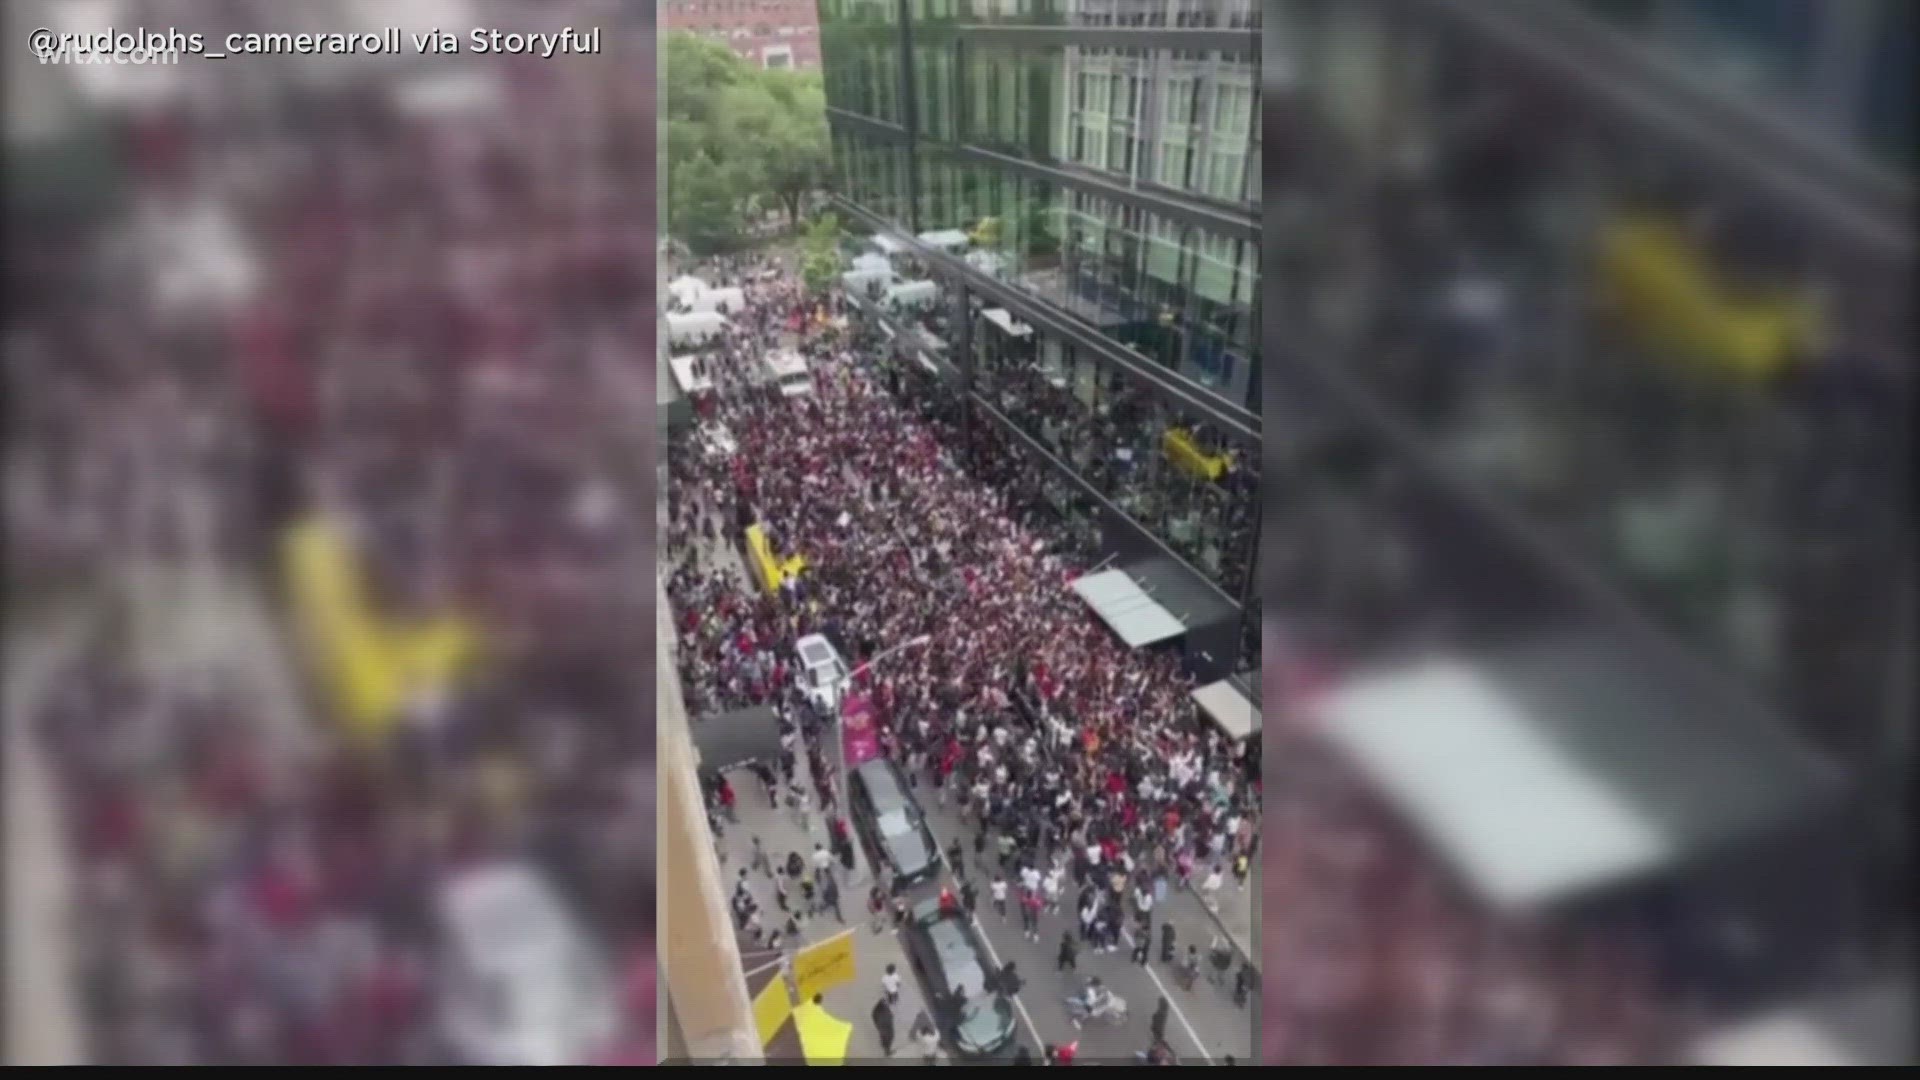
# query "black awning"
(735, 738)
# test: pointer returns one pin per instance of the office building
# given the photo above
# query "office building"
(1081, 178)
(769, 33)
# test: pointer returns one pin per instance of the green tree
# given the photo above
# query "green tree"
(764, 134)
(820, 259)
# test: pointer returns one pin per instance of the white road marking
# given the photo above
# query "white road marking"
(981, 931)
(1127, 936)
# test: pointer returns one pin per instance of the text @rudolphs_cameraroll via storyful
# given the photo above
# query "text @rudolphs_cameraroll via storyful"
(383, 41)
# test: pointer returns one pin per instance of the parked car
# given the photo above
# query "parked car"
(952, 965)
(890, 823)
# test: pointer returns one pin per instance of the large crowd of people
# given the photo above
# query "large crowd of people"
(1061, 743)
(443, 324)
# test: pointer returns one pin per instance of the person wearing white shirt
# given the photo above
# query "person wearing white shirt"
(1210, 889)
(1030, 878)
(1093, 854)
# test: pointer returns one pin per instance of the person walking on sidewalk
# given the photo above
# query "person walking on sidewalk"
(1159, 1021)
(1210, 889)
(999, 889)
(926, 1038)
(890, 983)
(883, 1024)
(727, 798)
(1068, 960)
(876, 909)
(759, 860)
(830, 898)
(957, 858)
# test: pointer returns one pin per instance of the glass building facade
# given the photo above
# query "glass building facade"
(1103, 159)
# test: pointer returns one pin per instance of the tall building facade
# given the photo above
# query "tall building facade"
(1099, 163)
(770, 33)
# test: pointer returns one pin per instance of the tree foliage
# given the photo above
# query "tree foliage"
(739, 142)
(820, 260)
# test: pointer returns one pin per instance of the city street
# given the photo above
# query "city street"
(779, 834)
(1204, 1024)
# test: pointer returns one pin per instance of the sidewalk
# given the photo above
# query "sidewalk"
(1234, 911)
(854, 1001)
(44, 1025)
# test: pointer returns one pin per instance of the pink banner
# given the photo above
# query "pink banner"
(861, 738)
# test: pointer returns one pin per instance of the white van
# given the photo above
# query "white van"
(822, 673)
(523, 985)
(728, 301)
(688, 331)
(788, 370)
(859, 281)
(911, 296)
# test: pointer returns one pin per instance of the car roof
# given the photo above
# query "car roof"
(959, 961)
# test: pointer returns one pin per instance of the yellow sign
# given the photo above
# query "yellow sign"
(823, 966)
(1180, 449)
(369, 666)
(823, 1036)
(771, 1009)
(768, 568)
(1663, 287)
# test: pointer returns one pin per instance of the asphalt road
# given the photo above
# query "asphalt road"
(1204, 1025)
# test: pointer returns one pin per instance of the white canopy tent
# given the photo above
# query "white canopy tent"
(1549, 773)
(1005, 321)
(887, 245)
(686, 289)
(1232, 711)
(872, 261)
(948, 240)
(1127, 609)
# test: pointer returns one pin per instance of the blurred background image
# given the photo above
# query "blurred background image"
(329, 732)
(1586, 555)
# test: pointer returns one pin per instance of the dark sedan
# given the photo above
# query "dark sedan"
(890, 824)
(952, 967)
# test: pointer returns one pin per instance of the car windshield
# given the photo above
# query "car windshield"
(984, 1025)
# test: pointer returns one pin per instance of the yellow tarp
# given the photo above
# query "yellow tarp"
(1180, 449)
(771, 1009)
(369, 666)
(1663, 288)
(768, 568)
(823, 966)
(823, 1036)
